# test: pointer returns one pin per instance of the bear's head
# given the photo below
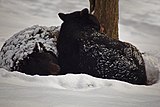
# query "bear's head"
(40, 61)
(80, 19)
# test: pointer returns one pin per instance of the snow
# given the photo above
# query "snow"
(18, 89)
(139, 24)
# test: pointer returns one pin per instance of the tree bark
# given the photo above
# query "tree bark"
(107, 12)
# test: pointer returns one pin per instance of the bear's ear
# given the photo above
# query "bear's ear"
(36, 48)
(42, 47)
(62, 16)
(94, 22)
(84, 12)
(39, 47)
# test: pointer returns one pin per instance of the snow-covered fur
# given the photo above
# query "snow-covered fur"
(31, 51)
(82, 49)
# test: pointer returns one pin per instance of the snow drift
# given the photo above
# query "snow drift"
(73, 90)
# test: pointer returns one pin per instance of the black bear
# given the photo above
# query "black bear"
(31, 51)
(83, 49)
(40, 61)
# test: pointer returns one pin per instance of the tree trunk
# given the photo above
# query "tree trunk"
(107, 13)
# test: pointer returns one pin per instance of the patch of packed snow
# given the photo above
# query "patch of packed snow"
(152, 68)
(70, 90)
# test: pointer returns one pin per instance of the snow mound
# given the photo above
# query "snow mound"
(22, 43)
(152, 68)
(70, 82)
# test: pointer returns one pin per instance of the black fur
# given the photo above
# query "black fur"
(82, 49)
(41, 62)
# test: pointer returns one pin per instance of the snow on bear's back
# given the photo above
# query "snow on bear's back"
(22, 43)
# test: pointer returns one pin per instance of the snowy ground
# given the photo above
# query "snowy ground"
(139, 24)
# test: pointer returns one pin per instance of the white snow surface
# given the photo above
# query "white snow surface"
(139, 25)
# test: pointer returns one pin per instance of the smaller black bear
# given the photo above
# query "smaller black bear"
(31, 51)
(83, 49)
(40, 61)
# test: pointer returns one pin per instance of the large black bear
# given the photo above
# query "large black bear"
(31, 51)
(83, 49)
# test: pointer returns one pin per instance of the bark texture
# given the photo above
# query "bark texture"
(107, 12)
